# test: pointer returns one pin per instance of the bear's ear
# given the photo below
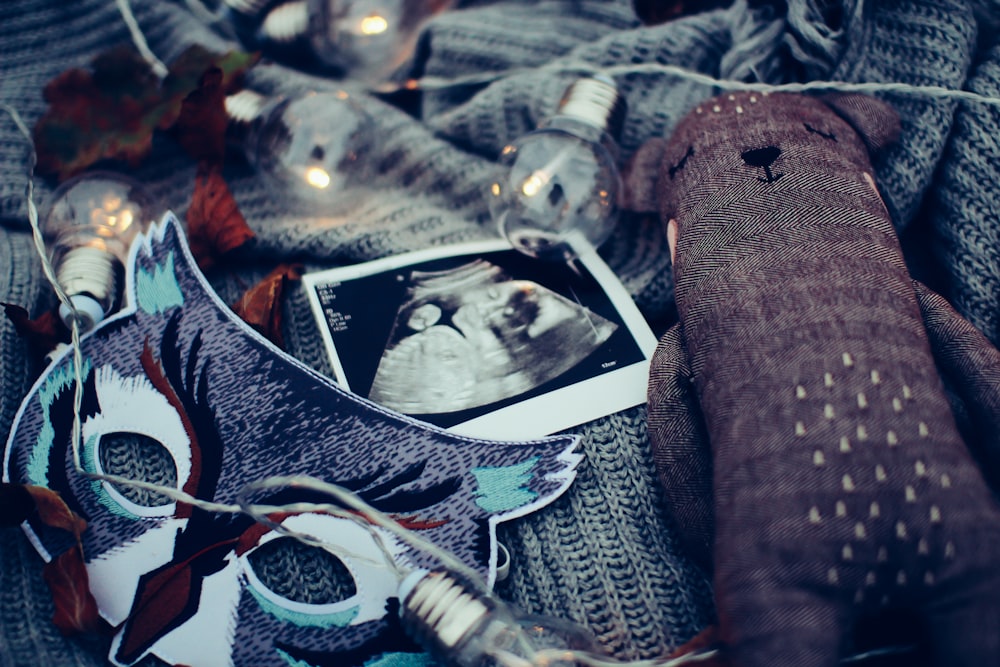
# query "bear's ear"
(640, 175)
(875, 121)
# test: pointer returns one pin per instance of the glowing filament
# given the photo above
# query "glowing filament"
(374, 25)
(534, 184)
(317, 177)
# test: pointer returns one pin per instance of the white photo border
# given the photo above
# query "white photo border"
(536, 416)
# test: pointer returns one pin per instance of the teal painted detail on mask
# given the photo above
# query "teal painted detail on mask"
(293, 662)
(503, 488)
(87, 458)
(401, 660)
(159, 291)
(340, 619)
(61, 379)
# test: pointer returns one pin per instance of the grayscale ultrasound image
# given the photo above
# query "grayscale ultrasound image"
(471, 335)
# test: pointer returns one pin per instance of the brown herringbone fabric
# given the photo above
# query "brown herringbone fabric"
(842, 485)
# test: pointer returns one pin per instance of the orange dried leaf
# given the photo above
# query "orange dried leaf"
(260, 306)
(75, 607)
(215, 224)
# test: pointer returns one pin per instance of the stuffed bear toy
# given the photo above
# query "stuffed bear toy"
(812, 452)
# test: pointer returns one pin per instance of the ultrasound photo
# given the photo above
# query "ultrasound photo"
(483, 340)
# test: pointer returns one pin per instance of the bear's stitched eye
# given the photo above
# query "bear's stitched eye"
(683, 161)
(826, 135)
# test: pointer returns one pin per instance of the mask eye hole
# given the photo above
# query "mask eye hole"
(138, 456)
(302, 573)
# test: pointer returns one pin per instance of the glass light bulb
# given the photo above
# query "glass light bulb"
(559, 185)
(463, 629)
(89, 230)
(312, 149)
(364, 39)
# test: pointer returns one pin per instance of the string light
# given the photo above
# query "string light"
(426, 596)
(311, 147)
(89, 230)
(559, 184)
(364, 39)
(543, 656)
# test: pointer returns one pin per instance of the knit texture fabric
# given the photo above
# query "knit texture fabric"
(605, 554)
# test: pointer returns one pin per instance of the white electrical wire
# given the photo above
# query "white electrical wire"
(139, 39)
(362, 512)
(50, 275)
(582, 68)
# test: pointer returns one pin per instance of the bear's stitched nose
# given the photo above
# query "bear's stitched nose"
(763, 157)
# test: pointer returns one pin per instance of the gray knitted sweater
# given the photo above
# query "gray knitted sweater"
(603, 555)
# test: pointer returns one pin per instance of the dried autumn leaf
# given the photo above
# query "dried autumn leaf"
(201, 125)
(75, 608)
(653, 12)
(215, 224)
(186, 73)
(43, 333)
(703, 641)
(54, 512)
(260, 306)
(111, 111)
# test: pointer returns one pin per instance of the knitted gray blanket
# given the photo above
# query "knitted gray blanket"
(603, 555)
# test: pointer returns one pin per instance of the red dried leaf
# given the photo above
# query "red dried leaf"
(111, 111)
(215, 224)
(186, 73)
(75, 607)
(652, 12)
(43, 333)
(703, 641)
(54, 512)
(201, 126)
(260, 306)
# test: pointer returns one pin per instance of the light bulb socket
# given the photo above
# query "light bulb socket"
(441, 613)
(596, 101)
(91, 271)
(246, 109)
(286, 22)
(89, 312)
(245, 106)
(249, 8)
